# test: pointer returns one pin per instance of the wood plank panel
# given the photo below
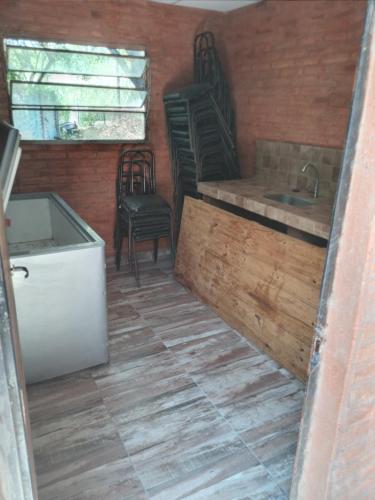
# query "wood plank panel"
(263, 283)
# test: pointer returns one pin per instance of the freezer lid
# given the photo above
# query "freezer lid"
(10, 154)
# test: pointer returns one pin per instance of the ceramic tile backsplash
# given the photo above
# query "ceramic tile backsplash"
(281, 163)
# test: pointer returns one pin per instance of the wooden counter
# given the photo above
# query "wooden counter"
(263, 283)
(249, 194)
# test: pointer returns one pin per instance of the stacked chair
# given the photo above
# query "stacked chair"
(208, 69)
(200, 127)
(141, 213)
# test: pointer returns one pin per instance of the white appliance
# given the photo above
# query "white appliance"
(58, 268)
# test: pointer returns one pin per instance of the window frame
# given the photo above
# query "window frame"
(59, 142)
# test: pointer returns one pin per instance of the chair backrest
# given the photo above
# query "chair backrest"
(136, 173)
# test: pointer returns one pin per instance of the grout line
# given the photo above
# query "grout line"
(197, 384)
(235, 432)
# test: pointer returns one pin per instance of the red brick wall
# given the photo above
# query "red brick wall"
(84, 175)
(291, 66)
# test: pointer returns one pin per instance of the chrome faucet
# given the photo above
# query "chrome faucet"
(313, 166)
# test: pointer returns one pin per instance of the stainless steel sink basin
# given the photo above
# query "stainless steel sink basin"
(290, 200)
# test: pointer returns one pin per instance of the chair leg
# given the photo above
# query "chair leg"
(135, 262)
(156, 249)
(130, 257)
(118, 247)
(172, 241)
(115, 234)
(117, 225)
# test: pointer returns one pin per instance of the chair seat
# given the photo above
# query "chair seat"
(146, 203)
(150, 216)
(159, 233)
(143, 217)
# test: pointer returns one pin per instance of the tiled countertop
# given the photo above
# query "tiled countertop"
(249, 194)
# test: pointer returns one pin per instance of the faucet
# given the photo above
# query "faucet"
(313, 166)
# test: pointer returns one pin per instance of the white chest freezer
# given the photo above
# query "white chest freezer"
(58, 268)
(58, 273)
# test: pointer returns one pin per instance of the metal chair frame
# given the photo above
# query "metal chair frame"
(135, 176)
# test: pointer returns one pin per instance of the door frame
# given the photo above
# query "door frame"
(18, 479)
(345, 302)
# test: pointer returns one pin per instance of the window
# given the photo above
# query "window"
(66, 92)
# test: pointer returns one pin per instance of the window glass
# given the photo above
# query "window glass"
(76, 92)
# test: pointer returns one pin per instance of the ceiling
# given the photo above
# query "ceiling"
(218, 5)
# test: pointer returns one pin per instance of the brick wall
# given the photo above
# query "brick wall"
(84, 175)
(291, 67)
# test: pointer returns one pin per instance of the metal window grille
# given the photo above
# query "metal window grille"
(68, 92)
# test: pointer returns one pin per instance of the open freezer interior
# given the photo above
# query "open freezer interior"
(36, 224)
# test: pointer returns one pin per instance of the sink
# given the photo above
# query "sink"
(290, 200)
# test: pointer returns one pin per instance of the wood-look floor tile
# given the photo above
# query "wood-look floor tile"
(261, 434)
(62, 396)
(175, 335)
(238, 476)
(281, 467)
(149, 279)
(190, 416)
(137, 373)
(204, 354)
(125, 341)
(187, 447)
(75, 443)
(113, 481)
(235, 381)
(144, 401)
(277, 449)
(168, 289)
(129, 355)
(121, 325)
(166, 297)
(286, 484)
(128, 361)
(186, 407)
(178, 315)
(270, 404)
(120, 309)
(128, 349)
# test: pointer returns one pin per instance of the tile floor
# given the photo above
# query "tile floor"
(186, 408)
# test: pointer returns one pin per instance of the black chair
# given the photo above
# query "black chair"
(141, 213)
